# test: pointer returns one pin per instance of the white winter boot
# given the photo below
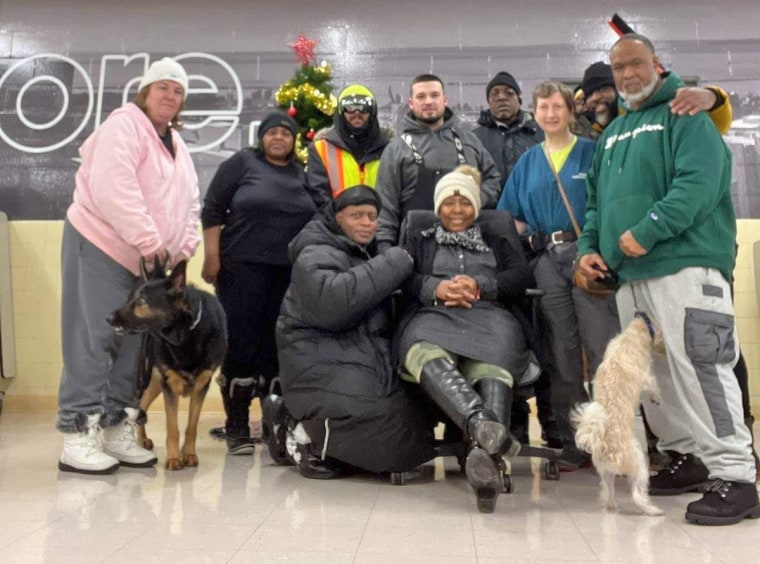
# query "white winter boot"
(120, 441)
(83, 452)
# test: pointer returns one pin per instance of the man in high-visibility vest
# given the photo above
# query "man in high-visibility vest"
(347, 153)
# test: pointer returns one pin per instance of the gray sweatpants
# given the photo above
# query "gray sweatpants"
(701, 407)
(99, 367)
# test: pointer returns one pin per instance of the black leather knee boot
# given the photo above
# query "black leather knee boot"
(450, 391)
(497, 398)
(446, 386)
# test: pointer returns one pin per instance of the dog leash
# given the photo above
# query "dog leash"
(645, 318)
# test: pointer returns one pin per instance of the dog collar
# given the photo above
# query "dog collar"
(645, 318)
(198, 317)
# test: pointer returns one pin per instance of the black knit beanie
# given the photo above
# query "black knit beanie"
(277, 119)
(357, 196)
(597, 76)
(503, 78)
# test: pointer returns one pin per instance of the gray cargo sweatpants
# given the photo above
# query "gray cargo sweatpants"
(701, 408)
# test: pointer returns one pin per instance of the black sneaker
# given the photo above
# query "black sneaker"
(683, 473)
(724, 503)
(274, 427)
(240, 445)
(571, 459)
(312, 467)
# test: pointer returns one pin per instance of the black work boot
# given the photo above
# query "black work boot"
(497, 398)
(446, 386)
(274, 423)
(724, 503)
(683, 473)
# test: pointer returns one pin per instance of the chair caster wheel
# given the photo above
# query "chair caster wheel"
(551, 471)
(398, 478)
(509, 486)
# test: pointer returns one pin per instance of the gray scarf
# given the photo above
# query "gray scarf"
(471, 238)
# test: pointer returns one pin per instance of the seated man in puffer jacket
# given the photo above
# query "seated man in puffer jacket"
(334, 350)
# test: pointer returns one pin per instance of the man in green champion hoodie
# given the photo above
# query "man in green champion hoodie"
(659, 212)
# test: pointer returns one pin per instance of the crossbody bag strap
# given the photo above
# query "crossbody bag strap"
(562, 192)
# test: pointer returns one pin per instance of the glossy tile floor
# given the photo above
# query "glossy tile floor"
(245, 509)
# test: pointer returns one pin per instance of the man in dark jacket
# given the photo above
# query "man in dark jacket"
(334, 349)
(504, 129)
(347, 153)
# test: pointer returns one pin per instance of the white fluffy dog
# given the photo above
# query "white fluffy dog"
(604, 427)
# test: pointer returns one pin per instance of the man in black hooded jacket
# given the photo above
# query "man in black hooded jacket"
(334, 349)
(347, 153)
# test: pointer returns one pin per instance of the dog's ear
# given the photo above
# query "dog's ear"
(144, 270)
(178, 277)
(159, 267)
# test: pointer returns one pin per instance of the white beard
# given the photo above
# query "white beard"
(641, 95)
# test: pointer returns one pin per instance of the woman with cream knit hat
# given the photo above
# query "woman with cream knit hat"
(459, 339)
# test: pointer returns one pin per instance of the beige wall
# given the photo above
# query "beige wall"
(35, 259)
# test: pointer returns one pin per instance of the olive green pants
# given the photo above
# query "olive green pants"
(423, 352)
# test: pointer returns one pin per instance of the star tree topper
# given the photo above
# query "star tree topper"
(303, 48)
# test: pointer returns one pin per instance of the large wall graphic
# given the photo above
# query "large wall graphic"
(65, 66)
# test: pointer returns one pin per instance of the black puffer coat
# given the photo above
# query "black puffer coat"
(334, 351)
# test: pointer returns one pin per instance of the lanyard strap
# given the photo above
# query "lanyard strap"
(562, 192)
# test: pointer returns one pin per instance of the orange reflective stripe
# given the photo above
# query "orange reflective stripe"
(340, 185)
(342, 169)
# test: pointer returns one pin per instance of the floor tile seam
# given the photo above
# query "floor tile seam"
(257, 527)
(366, 523)
(129, 541)
(10, 544)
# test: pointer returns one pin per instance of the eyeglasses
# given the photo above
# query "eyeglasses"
(351, 108)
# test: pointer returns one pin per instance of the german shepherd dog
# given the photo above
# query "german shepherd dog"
(185, 342)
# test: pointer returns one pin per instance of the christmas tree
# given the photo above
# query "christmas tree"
(307, 97)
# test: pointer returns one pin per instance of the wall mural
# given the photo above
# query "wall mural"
(51, 101)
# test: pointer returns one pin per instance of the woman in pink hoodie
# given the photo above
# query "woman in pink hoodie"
(136, 197)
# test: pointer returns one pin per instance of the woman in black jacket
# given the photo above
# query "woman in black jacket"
(256, 203)
(334, 349)
(460, 340)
